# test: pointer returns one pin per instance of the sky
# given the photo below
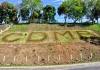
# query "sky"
(55, 3)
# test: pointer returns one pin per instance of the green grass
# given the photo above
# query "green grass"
(95, 27)
(21, 41)
(37, 36)
(54, 27)
(60, 38)
(46, 28)
(21, 28)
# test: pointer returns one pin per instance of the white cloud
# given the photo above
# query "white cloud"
(19, 1)
(58, 1)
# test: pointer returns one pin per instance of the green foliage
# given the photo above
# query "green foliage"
(94, 53)
(8, 12)
(35, 14)
(24, 13)
(92, 10)
(97, 10)
(49, 13)
(73, 9)
(30, 10)
(33, 5)
(63, 8)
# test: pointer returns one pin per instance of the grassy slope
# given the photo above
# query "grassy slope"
(94, 27)
(54, 27)
(44, 27)
(22, 28)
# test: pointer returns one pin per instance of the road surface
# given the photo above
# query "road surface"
(84, 66)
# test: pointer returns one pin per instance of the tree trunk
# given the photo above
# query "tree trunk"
(81, 21)
(65, 20)
(75, 21)
(65, 17)
(97, 20)
(93, 22)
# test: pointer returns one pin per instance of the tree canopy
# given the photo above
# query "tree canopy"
(24, 13)
(49, 13)
(74, 9)
(30, 10)
(32, 5)
(8, 12)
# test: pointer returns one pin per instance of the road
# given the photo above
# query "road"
(84, 66)
(88, 68)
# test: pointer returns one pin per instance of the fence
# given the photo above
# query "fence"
(44, 60)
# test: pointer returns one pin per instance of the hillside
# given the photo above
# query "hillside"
(43, 44)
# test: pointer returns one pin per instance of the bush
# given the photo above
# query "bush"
(62, 24)
(82, 37)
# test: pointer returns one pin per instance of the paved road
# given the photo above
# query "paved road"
(88, 68)
(85, 66)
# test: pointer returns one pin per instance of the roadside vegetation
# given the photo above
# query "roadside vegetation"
(18, 28)
(37, 38)
(33, 11)
(94, 27)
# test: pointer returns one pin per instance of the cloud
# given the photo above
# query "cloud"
(58, 1)
(19, 1)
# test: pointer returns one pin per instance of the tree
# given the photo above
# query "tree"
(1, 18)
(8, 12)
(3, 11)
(91, 10)
(97, 10)
(24, 12)
(63, 10)
(18, 7)
(33, 5)
(36, 15)
(74, 9)
(12, 12)
(49, 13)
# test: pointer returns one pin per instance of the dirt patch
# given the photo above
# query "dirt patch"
(3, 27)
(31, 26)
(53, 50)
